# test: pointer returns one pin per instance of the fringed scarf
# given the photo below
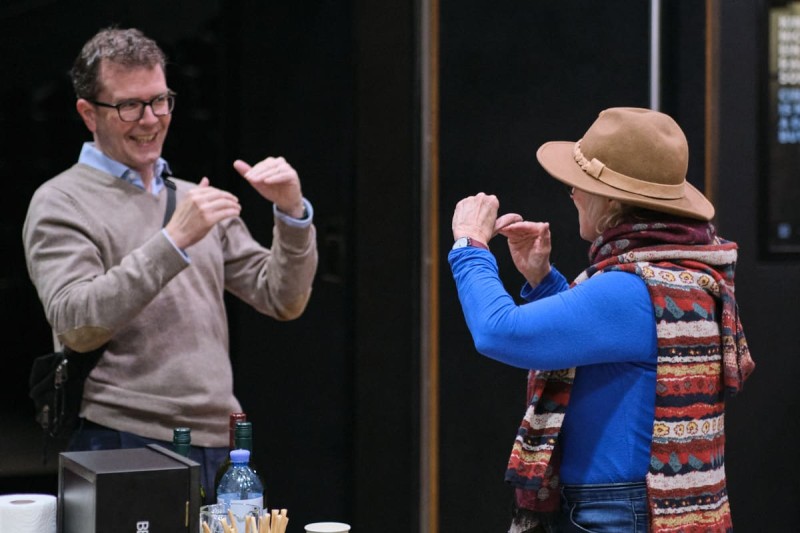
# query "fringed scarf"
(702, 352)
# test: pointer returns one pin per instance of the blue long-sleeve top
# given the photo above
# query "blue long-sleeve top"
(605, 327)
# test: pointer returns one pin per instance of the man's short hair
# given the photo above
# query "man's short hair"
(124, 47)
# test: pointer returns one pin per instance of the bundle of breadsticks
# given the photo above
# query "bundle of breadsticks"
(272, 522)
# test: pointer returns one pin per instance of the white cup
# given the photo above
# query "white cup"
(327, 527)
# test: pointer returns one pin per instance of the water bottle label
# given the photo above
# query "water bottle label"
(240, 506)
(233, 499)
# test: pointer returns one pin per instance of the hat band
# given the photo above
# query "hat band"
(599, 171)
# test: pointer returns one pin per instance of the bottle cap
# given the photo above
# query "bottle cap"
(182, 435)
(240, 456)
(236, 417)
(244, 429)
(243, 435)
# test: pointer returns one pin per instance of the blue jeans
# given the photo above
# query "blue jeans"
(612, 508)
(91, 436)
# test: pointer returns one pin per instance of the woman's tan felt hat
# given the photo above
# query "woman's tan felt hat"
(637, 156)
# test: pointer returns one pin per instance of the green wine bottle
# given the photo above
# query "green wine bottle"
(232, 420)
(182, 444)
(243, 440)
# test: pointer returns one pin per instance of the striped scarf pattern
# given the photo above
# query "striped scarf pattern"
(702, 353)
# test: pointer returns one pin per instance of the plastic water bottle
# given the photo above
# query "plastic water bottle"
(240, 485)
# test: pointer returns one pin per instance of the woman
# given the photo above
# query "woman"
(624, 427)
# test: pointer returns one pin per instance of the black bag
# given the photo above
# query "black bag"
(56, 388)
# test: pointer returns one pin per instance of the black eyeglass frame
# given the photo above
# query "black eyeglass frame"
(169, 96)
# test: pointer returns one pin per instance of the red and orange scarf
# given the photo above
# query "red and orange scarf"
(702, 353)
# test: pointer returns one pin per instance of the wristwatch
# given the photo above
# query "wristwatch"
(461, 242)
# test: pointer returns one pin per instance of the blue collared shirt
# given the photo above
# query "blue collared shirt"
(92, 156)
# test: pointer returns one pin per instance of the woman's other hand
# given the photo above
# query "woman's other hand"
(529, 243)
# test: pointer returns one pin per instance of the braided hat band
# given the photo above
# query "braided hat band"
(598, 170)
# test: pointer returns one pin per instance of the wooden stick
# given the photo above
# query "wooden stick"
(206, 529)
(263, 524)
(225, 527)
(282, 520)
(234, 529)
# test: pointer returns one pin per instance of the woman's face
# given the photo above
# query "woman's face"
(591, 208)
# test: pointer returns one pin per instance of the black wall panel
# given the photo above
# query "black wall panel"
(762, 422)
(515, 75)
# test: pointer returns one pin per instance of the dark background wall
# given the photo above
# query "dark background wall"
(334, 87)
(512, 78)
(762, 422)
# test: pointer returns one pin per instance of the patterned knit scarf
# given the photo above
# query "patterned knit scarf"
(702, 352)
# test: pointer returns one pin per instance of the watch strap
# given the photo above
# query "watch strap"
(460, 243)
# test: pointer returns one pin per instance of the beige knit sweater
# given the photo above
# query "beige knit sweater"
(104, 271)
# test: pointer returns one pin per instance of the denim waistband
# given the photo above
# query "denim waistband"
(604, 491)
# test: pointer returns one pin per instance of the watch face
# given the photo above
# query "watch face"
(461, 242)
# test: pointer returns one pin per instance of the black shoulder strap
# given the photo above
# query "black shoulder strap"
(170, 200)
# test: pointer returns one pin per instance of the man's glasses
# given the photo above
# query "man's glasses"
(133, 110)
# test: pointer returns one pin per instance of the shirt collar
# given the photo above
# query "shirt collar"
(93, 157)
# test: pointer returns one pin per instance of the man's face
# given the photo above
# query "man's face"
(135, 144)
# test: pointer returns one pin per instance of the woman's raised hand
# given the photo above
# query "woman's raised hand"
(529, 243)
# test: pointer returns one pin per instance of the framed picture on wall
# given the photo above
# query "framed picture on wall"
(780, 136)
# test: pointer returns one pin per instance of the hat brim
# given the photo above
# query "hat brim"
(557, 158)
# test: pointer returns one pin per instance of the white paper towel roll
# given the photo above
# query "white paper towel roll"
(28, 513)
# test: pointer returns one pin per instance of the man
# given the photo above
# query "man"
(108, 273)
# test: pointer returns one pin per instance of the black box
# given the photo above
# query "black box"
(139, 490)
